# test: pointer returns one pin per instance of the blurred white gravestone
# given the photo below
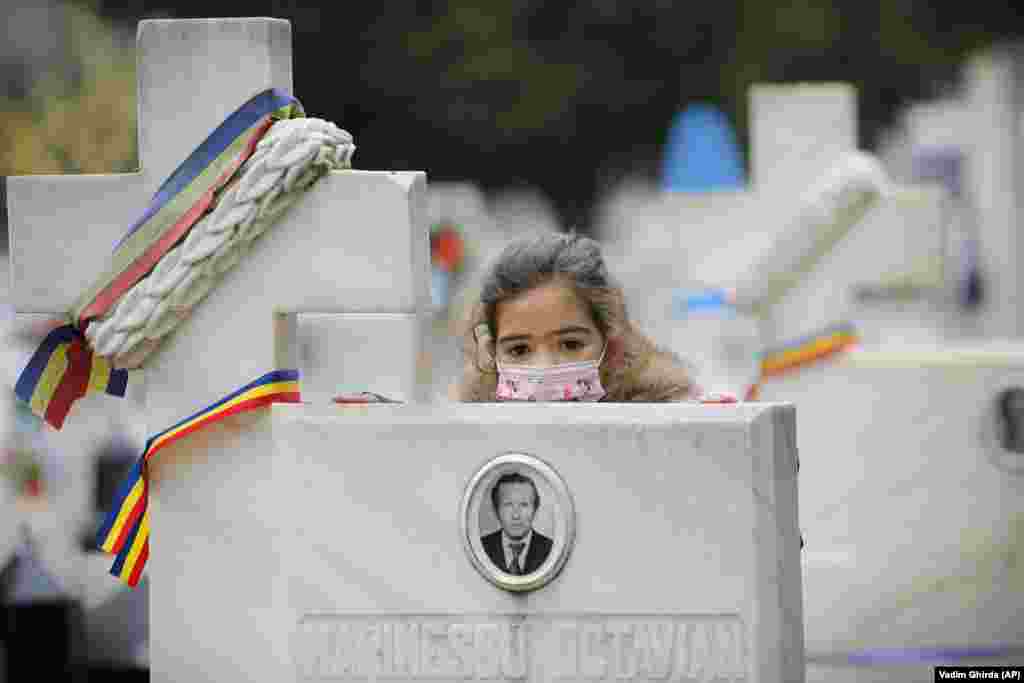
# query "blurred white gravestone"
(192, 74)
(647, 249)
(523, 212)
(977, 130)
(796, 131)
(908, 428)
(994, 173)
(463, 206)
(916, 440)
(849, 226)
(795, 241)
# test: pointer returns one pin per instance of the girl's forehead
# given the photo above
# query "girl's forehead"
(542, 309)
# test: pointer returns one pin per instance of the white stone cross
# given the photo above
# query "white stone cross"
(355, 246)
(797, 133)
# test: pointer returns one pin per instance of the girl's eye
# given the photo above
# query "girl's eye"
(573, 344)
(517, 350)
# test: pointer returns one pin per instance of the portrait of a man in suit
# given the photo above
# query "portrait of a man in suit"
(516, 548)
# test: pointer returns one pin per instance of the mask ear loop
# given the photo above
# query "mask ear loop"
(482, 335)
(603, 372)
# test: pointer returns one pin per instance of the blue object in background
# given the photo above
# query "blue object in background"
(439, 282)
(25, 421)
(686, 303)
(945, 164)
(701, 154)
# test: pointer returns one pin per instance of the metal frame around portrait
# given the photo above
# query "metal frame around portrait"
(469, 516)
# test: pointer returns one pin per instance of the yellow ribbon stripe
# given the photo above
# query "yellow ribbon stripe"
(807, 351)
(126, 531)
(99, 374)
(199, 420)
(48, 381)
(132, 566)
(123, 514)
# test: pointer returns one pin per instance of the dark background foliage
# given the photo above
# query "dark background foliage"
(567, 97)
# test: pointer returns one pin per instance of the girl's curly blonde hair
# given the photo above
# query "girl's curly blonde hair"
(635, 369)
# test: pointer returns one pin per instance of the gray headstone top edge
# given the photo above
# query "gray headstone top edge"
(896, 358)
(223, 21)
(405, 179)
(804, 88)
(623, 414)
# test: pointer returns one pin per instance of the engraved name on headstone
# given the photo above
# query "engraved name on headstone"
(563, 647)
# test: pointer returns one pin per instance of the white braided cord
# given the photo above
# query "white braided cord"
(829, 209)
(287, 161)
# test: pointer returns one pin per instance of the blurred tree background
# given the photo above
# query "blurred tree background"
(70, 106)
(559, 96)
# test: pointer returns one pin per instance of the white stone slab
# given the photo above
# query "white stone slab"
(359, 352)
(684, 513)
(73, 221)
(912, 519)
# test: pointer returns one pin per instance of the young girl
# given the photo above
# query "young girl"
(551, 325)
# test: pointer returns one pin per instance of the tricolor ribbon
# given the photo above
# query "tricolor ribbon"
(61, 371)
(126, 529)
(803, 352)
(64, 368)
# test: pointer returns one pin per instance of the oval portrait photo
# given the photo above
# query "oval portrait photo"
(518, 521)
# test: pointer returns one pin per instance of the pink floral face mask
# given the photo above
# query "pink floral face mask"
(580, 381)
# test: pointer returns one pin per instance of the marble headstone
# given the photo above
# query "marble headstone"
(684, 567)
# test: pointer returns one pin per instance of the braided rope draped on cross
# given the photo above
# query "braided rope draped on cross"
(287, 160)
